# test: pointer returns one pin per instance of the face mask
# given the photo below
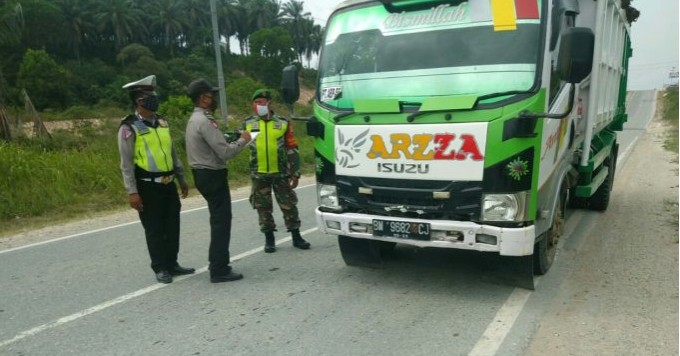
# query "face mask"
(150, 103)
(262, 110)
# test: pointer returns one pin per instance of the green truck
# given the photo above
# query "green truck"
(467, 125)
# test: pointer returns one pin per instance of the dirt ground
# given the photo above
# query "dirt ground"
(621, 297)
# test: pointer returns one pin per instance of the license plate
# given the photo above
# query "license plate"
(401, 229)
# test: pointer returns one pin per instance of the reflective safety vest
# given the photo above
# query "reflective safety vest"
(153, 146)
(268, 153)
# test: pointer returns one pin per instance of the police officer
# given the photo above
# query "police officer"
(150, 166)
(208, 152)
(275, 165)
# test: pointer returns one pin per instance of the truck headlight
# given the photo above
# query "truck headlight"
(328, 196)
(504, 207)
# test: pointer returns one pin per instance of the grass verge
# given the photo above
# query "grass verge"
(669, 112)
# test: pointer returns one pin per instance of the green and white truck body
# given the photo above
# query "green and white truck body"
(466, 124)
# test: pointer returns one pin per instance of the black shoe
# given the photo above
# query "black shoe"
(301, 244)
(179, 270)
(231, 276)
(269, 242)
(164, 277)
(298, 241)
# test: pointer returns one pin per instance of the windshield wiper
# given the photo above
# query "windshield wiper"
(416, 114)
(499, 94)
(402, 104)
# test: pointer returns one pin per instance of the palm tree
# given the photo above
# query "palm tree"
(229, 13)
(297, 23)
(197, 13)
(263, 13)
(121, 19)
(11, 23)
(168, 19)
(314, 39)
(259, 14)
(78, 16)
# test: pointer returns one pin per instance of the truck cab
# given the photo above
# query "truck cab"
(466, 124)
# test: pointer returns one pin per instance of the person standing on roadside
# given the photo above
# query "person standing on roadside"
(275, 166)
(208, 152)
(149, 163)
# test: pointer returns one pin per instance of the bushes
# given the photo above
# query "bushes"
(45, 81)
(239, 94)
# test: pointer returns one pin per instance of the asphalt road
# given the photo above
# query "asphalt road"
(94, 293)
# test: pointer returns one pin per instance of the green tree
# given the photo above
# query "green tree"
(121, 20)
(296, 20)
(45, 81)
(239, 93)
(44, 26)
(313, 40)
(271, 50)
(79, 23)
(168, 19)
(272, 43)
(229, 13)
(11, 23)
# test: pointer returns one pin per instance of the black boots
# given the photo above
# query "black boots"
(269, 242)
(298, 241)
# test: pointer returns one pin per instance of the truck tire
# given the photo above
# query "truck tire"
(600, 200)
(546, 248)
(360, 252)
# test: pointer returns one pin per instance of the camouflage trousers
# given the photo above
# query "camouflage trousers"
(261, 200)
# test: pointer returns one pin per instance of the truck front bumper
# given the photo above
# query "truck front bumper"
(462, 235)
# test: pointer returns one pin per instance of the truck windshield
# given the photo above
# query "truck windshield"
(369, 53)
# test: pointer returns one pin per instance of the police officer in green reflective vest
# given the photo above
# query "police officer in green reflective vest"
(150, 166)
(275, 166)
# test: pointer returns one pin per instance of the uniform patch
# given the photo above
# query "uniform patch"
(127, 133)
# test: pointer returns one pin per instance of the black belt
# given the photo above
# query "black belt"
(162, 180)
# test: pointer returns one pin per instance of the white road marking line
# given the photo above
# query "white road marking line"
(114, 227)
(129, 296)
(502, 322)
(623, 157)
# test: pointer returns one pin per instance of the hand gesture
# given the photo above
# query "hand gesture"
(293, 182)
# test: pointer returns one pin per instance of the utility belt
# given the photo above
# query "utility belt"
(162, 180)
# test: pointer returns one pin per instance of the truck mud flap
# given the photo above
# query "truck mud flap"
(517, 271)
(360, 252)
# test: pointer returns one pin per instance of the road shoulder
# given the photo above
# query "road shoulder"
(621, 296)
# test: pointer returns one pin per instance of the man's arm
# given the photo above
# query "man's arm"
(126, 148)
(218, 143)
(179, 172)
(293, 152)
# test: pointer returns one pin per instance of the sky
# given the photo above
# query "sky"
(654, 36)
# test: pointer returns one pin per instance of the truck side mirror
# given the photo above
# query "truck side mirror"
(575, 60)
(290, 87)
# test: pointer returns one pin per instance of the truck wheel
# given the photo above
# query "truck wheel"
(546, 248)
(359, 252)
(600, 200)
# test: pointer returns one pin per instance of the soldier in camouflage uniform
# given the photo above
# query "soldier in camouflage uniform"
(275, 166)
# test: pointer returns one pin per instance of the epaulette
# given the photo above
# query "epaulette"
(135, 123)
